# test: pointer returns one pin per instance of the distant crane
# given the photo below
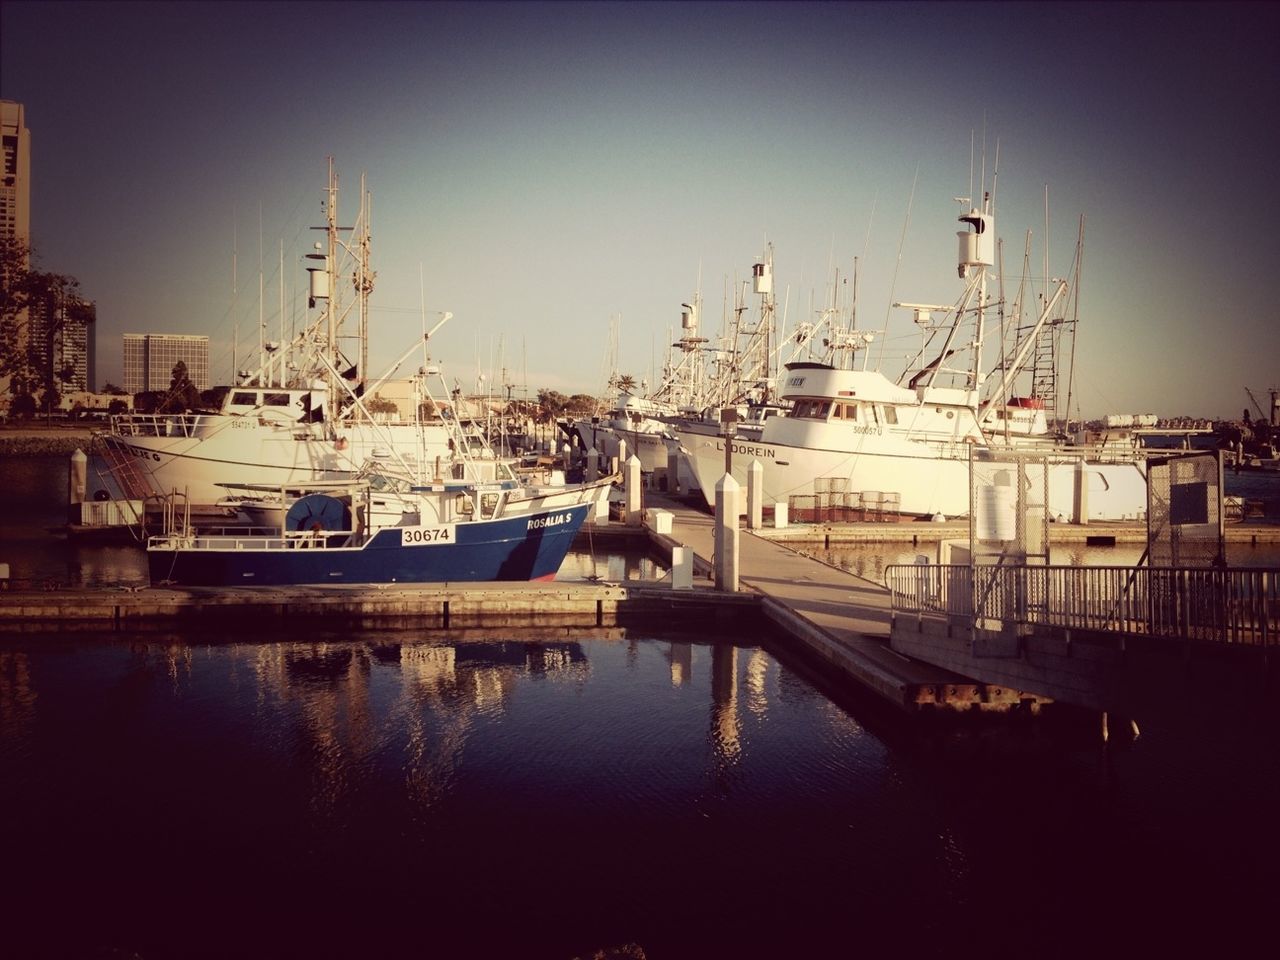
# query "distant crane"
(1256, 405)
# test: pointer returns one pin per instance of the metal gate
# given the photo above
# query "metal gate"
(1185, 511)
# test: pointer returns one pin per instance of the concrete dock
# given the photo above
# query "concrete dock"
(834, 616)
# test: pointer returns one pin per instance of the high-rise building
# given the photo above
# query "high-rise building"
(15, 185)
(149, 359)
(62, 340)
(56, 331)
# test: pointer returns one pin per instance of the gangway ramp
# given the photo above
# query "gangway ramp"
(837, 617)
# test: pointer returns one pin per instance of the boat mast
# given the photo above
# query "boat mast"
(331, 305)
(364, 282)
(988, 210)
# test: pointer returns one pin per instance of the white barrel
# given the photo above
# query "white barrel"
(997, 517)
(319, 285)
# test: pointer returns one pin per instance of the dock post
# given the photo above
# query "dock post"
(1080, 502)
(726, 534)
(673, 471)
(622, 452)
(77, 483)
(681, 568)
(631, 487)
(755, 500)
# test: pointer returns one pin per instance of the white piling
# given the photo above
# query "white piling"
(631, 488)
(780, 518)
(726, 534)
(622, 450)
(681, 568)
(77, 480)
(1080, 503)
(755, 495)
(593, 465)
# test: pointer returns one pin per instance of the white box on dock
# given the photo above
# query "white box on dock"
(661, 521)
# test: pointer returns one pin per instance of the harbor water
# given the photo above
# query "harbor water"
(420, 794)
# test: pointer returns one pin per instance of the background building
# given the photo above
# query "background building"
(149, 359)
(56, 332)
(15, 186)
(61, 332)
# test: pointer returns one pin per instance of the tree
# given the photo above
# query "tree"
(113, 390)
(23, 405)
(379, 405)
(26, 293)
(580, 405)
(552, 403)
(183, 394)
(117, 407)
(50, 399)
(148, 401)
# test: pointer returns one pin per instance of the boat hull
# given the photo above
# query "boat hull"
(519, 548)
(198, 455)
(914, 479)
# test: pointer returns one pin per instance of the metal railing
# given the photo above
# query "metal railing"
(1238, 605)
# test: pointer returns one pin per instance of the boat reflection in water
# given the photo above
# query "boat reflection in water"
(548, 795)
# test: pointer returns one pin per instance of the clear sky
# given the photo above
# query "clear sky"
(539, 169)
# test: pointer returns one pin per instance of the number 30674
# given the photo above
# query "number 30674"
(415, 535)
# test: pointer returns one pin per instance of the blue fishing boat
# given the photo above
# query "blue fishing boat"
(326, 538)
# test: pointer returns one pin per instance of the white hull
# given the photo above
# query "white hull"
(446, 503)
(202, 452)
(913, 478)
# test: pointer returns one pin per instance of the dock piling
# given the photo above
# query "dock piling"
(631, 487)
(78, 477)
(726, 534)
(681, 568)
(755, 500)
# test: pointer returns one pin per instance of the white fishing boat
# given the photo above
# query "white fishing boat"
(701, 378)
(902, 447)
(300, 416)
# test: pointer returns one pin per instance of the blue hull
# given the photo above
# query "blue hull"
(528, 547)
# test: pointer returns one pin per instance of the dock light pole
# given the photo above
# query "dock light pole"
(728, 420)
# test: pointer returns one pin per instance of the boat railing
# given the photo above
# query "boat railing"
(156, 424)
(1237, 605)
(241, 541)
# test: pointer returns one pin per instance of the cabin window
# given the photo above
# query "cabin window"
(242, 398)
(891, 415)
(812, 409)
(275, 400)
(847, 411)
